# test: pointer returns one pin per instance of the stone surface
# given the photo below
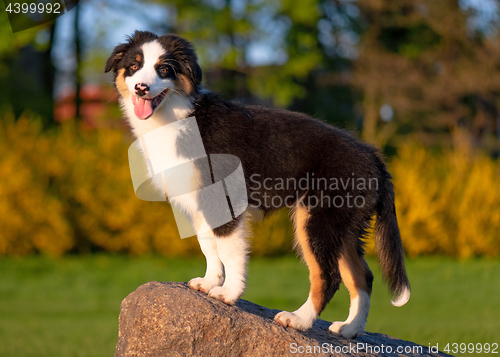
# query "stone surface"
(169, 319)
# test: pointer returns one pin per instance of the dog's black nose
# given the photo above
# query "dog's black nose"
(141, 89)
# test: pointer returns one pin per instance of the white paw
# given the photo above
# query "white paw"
(205, 284)
(347, 330)
(226, 294)
(290, 319)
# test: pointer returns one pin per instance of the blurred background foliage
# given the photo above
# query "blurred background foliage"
(420, 79)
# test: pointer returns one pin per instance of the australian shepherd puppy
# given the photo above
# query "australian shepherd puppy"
(342, 182)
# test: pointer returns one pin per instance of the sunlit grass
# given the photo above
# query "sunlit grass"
(70, 306)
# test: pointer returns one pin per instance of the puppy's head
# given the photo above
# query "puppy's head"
(148, 68)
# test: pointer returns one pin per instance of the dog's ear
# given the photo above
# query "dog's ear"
(116, 56)
(195, 70)
(187, 55)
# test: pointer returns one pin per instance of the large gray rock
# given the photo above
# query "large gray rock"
(169, 319)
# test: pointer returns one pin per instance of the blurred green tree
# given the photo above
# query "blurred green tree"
(425, 62)
(414, 66)
(26, 70)
(300, 39)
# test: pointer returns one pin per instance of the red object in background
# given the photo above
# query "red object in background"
(96, 105)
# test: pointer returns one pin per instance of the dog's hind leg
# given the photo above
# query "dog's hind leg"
(358, 279)
(214, 273)
(310, 231)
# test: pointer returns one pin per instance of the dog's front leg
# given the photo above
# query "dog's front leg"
(232, 250)
(214, 273)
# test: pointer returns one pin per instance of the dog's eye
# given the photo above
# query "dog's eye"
(134, 67)
(163, 70)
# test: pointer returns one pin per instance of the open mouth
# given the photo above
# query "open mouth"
(145, 107)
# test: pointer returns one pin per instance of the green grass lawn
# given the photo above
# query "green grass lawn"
(69, 306)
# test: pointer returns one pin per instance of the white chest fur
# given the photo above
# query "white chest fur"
(170, 152)
(160, 133)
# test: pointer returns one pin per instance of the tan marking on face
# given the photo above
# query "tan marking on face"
(353, 272)
(120, 84)
(138, 58)
(301, 216)
(183, 84)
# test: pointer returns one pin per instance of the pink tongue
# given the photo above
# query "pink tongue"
(142, 108)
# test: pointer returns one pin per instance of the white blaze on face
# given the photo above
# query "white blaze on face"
(144, 107)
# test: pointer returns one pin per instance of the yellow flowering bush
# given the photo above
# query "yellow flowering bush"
(447, 203)
(69, 190)
(273, 235)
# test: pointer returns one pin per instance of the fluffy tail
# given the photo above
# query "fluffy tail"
(388, 243)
